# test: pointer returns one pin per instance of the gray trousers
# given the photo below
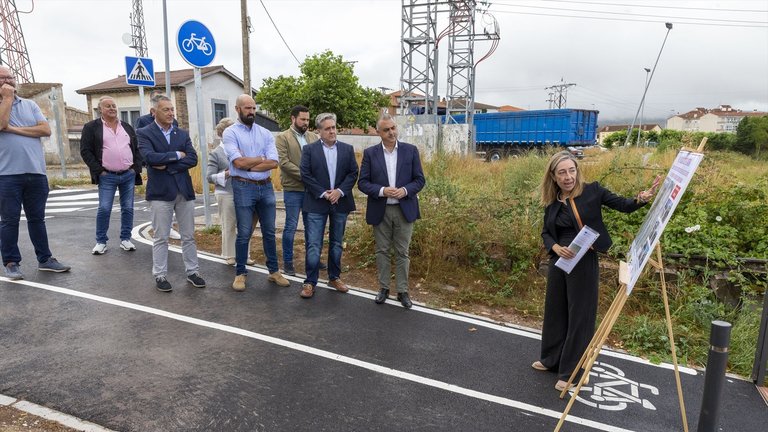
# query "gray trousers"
(162, 217)
(394, 232)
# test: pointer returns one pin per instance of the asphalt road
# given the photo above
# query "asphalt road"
(101, 343)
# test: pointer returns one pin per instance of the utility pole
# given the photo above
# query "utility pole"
(559, 94)
(245, 24)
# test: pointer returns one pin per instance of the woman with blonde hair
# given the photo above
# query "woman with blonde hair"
(570, 307)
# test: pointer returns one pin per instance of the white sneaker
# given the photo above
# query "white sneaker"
(99, 249)
(175, 234)
(127, 245)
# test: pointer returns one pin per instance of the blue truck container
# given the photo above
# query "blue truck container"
(507, 133)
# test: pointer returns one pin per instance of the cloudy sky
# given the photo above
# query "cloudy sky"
(717, 52)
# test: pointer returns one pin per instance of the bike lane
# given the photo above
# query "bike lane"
(266, 359)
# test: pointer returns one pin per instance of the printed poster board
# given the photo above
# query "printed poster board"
(669, 195)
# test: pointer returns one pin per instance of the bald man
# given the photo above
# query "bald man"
(252, 155)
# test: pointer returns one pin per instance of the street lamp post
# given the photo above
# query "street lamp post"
(642, 109)
(629, 131)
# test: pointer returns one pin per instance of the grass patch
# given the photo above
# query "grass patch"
(479, 244)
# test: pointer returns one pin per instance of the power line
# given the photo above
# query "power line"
(626, 20)
(654, 6)
(278, 32)
(633, 14)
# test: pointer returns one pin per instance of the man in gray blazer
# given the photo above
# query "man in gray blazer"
(289, 144)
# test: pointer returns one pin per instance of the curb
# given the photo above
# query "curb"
(53, 415)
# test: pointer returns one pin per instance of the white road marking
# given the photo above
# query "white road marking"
(64, 204)
(328, 355)
(77, 197)
(137, 235)
(65, 191)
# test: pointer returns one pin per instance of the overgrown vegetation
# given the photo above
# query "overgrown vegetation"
(751, 138)
(478, 242)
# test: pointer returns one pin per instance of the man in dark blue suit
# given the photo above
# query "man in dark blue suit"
(328, 171)
(391, 176)
(147, 119)
(169, 154)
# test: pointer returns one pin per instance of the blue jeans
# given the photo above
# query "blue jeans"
(314, 229)
(108, 184)
(293, 201)
(31, 192)
(254, 203)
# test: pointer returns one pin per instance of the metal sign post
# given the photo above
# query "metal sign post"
(198, 48)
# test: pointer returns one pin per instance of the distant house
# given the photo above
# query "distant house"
(604, 131)
(724, 118)
(220, 89)
(510, 108)
(395, 99)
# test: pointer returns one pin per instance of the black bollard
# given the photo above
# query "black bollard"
(714, 379)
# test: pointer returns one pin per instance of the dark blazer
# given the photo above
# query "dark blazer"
(314, 174)
(166, 184)
(590, 205)
(148, 119)
(373, 177)
(92, 147)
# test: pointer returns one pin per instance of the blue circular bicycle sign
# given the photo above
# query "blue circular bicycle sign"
(196, 44)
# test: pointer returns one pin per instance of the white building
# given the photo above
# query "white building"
(721, 119)
(220, 88)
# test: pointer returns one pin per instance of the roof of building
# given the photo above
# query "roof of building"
(179, 78)
(720, 111)
(28, 90)
(510, 108)
(616, 128)
(395, 95)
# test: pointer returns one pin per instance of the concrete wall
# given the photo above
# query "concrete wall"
(58, 125)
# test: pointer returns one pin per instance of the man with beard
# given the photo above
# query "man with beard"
(252, 155)
(289, 145)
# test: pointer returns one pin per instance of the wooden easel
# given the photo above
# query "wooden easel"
(601, 335)
(602, 332)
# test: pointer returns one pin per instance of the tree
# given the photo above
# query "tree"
(752, 135)
(327, 84)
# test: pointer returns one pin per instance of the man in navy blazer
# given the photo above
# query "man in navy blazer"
(391, 176)
(329, 172)
(169, 154)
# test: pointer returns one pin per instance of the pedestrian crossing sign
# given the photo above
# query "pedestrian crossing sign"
(139, 71)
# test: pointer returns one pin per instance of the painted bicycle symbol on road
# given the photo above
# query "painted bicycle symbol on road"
(613, 391)
(199, 43)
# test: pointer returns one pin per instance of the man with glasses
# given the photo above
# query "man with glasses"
(23, 180)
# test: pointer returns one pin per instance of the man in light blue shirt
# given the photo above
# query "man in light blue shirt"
(252, 155)
(22, 178)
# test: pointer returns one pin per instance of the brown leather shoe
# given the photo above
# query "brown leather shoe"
(278, 278)
(307, 291)
(339, 285)
(239, 283)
